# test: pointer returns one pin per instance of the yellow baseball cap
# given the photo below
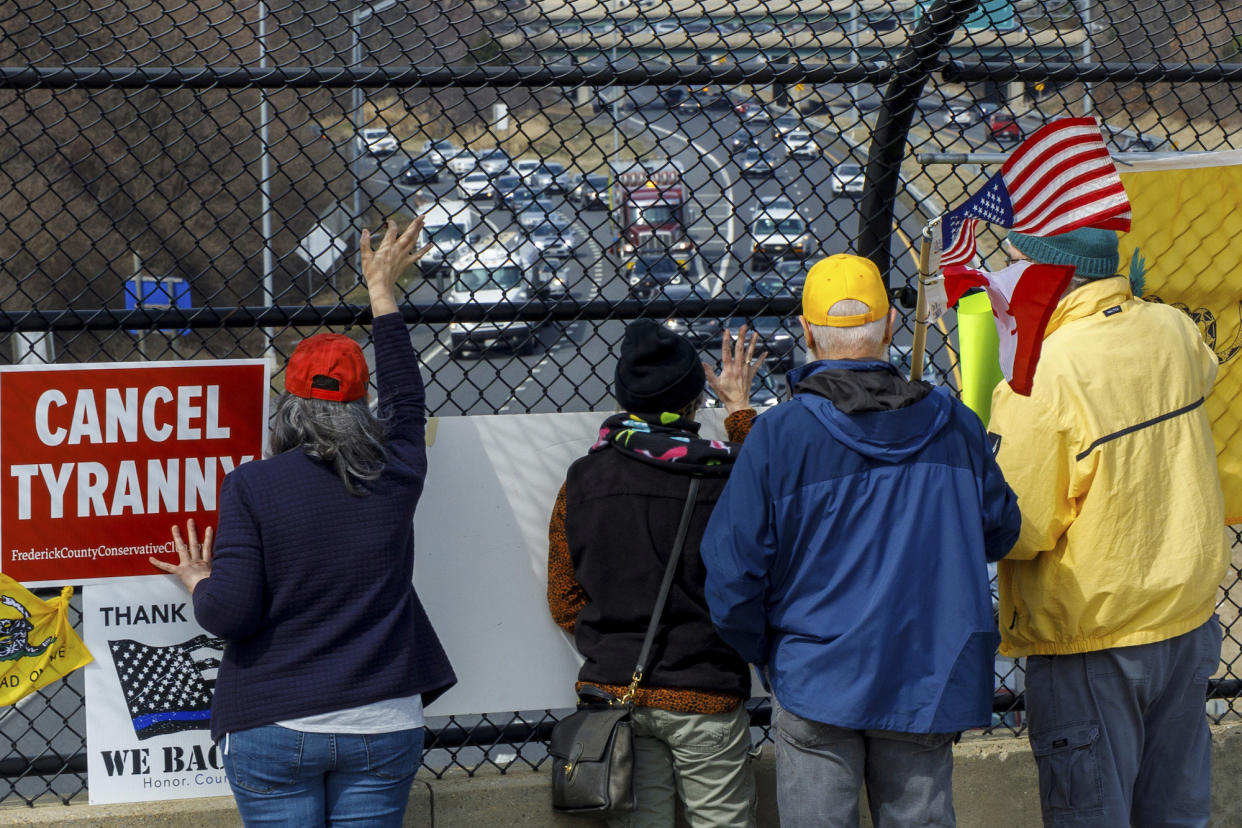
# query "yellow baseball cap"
(843, 277)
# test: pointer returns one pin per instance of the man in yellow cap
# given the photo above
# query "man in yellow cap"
(847, 560)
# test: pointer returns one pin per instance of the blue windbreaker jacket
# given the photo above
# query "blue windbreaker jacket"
(847, 559)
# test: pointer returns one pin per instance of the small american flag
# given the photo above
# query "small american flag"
(1059, 179)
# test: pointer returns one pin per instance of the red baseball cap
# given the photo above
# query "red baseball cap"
(327, 366)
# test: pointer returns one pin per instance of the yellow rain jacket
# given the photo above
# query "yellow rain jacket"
(1123, 526)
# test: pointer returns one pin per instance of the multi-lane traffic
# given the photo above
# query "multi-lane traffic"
(567, 367)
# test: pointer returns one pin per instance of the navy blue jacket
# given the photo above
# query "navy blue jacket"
(848, 558)
(311, 586)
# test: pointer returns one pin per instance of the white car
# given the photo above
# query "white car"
(800, 144)
(495, 162)
(525, 168)
(463, 163)
(439, 152)
(477, 186)
(848, 179)
(376, 141)
(776, 203)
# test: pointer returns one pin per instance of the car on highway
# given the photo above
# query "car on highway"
(784, 125)
(376, 141)
(439, 152)
(752, 109)
(775, 202)
(777, 333)
(848, 178)
(778, 235)
(554, 241)
(540, 210)
(702, 332)
(451, 227)
(463, 163)
(648, 274)
(419, 171)
(590, 192)
(477, 186)
(709, 103)
(1003, 128)
(792, 275)
(961, 114)
(489, 276)
(758, 163)
(800, 144)
(517, 200)
(525, 168)
(745, 138)
(504, 186)
(495, 162)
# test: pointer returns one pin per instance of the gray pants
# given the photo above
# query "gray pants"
(821, 768)
(1121, 735)
(703, 758)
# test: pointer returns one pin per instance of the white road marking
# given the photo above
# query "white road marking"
(718, 285)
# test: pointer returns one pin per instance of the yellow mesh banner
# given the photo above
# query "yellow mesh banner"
(1187, 226)
(37, 642)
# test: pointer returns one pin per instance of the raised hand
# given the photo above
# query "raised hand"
(738, 366)
(382, 267)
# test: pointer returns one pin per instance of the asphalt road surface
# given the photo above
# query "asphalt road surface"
(570, 368)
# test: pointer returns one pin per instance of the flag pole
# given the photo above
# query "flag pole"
(921, 312)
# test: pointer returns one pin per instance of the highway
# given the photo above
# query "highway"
(571, 368)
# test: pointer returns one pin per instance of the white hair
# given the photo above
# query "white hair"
(865, 339)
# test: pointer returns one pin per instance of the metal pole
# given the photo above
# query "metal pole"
(265, 182)
(853, 28)
(615, 96)
(1085, 16)
(918, 345)
(355, 148)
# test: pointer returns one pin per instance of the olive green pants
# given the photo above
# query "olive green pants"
(703, 759)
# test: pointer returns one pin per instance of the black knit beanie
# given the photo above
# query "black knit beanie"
(658, 370)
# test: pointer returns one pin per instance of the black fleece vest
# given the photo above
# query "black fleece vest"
(621, 518)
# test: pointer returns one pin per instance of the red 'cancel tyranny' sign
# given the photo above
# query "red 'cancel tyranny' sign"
(98, 462)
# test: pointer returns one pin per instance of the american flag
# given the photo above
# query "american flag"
(167, 689)
(1059, 179)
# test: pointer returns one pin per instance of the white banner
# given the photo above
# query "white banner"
(148, 693)
(481, 554)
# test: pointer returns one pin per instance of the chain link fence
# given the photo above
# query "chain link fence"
(188, 180)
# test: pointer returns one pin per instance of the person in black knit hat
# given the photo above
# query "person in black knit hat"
(658, 370)
(611, 532)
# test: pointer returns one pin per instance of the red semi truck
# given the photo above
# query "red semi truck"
(650, 211)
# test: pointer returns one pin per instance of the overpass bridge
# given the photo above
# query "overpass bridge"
(806, 31)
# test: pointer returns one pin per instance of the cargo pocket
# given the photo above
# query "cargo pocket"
(1069, 768)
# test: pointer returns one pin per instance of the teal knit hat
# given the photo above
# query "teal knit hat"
(1093, 253)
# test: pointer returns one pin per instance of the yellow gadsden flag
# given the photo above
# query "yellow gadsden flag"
(1187, 230)
(37, 643)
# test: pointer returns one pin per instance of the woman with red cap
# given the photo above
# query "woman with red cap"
(330, 657)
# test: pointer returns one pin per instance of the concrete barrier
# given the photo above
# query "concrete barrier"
(994, 783)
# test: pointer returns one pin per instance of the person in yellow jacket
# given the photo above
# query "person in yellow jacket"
(1110, 591)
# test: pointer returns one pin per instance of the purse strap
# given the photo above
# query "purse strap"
(665, 586)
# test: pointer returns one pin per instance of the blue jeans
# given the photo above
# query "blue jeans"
(290, 778)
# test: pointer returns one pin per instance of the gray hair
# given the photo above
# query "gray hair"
(345, 436)
(865, 338)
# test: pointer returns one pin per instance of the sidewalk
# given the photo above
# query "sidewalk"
(994, 783)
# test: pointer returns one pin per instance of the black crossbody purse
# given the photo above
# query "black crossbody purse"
(592, 749)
